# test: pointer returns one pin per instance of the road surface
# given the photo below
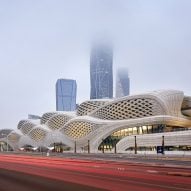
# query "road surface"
(33, 173)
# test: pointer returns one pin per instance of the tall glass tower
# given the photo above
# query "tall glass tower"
(101, 71)
(66, 95)
(122, 83)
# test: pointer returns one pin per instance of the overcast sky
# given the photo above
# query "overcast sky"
(43, 40)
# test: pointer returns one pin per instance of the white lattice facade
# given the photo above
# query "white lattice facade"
(104, 123)
(87, 107)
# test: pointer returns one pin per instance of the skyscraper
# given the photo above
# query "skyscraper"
(66, 95)
(101, 71)
(122, 83)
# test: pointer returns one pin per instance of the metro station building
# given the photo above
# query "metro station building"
(130, 124)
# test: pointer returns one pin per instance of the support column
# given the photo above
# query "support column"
(163, 144)
(103, 146)
(115, 147)
(135, 145)
(88, 146)
(54, 147)
(74, 146)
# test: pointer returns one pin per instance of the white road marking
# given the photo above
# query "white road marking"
(152, 171)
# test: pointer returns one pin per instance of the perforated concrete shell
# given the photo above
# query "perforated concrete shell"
(186, 106)
(14, 137)
(46, 116)
(21, 123)
(87, 107)
(57, 137)
(78, 129)
(27, 127)
(5, 132)
(38, 133)
(26, 140)
(130, 109)
(57, 121)
(140, 106)
(97, 122)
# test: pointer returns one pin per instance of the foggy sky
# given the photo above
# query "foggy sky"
(43, 40)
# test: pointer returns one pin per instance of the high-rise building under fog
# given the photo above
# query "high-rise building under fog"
(66, 95)
(122, 83)
(101, 71)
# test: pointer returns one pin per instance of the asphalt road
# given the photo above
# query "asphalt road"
(17, 181)
(33, 173)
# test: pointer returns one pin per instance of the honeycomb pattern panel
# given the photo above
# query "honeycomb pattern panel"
(186, 104)
(87, 107)
(21, 123)
(58, 121)
(79, 129)
(13, 137)
(27, 127)
(37, 134)
(46, 117)
(129, 109)
(4, 132)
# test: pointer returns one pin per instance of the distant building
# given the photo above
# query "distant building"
(66, 95)
(31, 116)
(122, 83)
(101, 71)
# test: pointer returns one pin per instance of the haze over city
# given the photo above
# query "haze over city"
(41, 41)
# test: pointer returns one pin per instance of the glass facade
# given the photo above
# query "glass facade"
(101, 72)
(122, 83)
(66, 95)
(109, 143)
